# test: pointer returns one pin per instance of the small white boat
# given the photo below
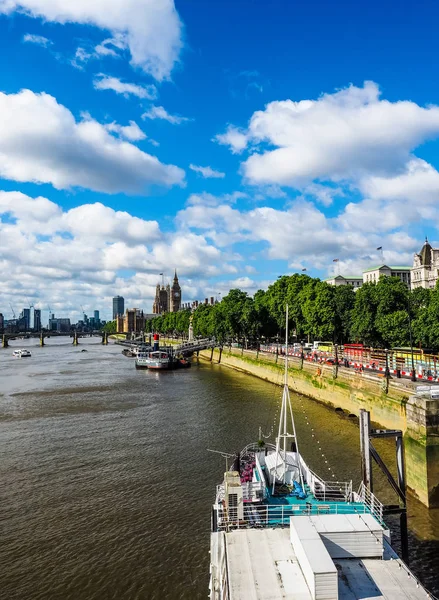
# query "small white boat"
(21, 353)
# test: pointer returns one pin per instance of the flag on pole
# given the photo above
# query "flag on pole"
(380, 248)
(335, 260)
(303, 270)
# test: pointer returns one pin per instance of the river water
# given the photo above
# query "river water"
(106, 484)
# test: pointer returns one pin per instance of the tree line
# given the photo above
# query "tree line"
(385, 314)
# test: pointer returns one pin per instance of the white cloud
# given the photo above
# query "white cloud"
(40, 40)
(106, 82)
(109, 46)
(130, 132)
(81, 58)
(344, 135)
(73, 257)
(151, 28)
(233, 137)
(207, 172)
(206, 199)
(158, 112)
(419, 182)
(41, 142)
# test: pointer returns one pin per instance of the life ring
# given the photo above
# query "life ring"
(319, 372)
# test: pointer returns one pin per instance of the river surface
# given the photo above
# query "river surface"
(106, 484)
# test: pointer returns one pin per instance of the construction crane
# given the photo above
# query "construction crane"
(13, 312)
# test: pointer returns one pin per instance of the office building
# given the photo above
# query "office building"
(355, 281)
(2, 323)
(118, 306)
(373, 274)
(37, 319)
(59, 325)
(97, 321)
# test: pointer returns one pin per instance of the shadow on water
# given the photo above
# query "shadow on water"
(106, 482)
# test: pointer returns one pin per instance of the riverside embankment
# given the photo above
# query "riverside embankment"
(392, 404)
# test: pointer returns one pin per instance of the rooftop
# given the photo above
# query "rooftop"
(391, 267)
(262, 563)
(359, 277)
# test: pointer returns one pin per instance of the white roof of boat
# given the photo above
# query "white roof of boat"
(262, 565)
(343, 523)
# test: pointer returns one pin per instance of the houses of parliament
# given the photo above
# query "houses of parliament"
(167, 299)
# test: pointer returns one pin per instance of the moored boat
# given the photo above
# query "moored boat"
(281, 531)
(21, 353)
(156, 360)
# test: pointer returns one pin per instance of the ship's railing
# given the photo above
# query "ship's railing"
(365, 496)
(273, 516)
(327, 490)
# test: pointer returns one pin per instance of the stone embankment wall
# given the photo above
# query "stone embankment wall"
(391, 404)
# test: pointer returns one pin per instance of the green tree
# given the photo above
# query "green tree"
(110, 327)
(344, 299)
(318, 309)
(392, 320)
(363, 315)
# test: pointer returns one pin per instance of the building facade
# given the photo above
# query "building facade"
(373, 275)
(132, 321)
(2, 323)
(59, 325)
(118, 306)
(167, 299)
(37, 319)
(425, 270)
(354, 281)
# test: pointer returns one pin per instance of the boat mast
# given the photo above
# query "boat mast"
(283, 430)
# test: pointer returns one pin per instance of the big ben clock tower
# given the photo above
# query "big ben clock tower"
(175, 294)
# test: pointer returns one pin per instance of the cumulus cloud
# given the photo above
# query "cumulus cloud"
(106, 82)
(41, 142)
(344, 135)
(130, 132)
(40, 40)
(233, 137)
(301, 234)
(66, 258)
(151, 29)
(158, 112)
(207, 172)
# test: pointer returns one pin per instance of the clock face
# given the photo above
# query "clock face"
(177, 294)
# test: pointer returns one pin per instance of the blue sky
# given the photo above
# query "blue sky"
(236, 141)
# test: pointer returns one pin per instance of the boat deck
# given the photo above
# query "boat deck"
(261, 564)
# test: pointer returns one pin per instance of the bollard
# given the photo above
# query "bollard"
(41, 340)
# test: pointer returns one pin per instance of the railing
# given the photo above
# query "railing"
(326, 490)
(374, 506)
(275, 516)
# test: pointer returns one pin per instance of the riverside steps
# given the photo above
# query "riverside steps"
(392, 403)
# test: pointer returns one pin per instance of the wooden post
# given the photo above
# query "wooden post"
(41, 339)
(211, 354)
(220, 353)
